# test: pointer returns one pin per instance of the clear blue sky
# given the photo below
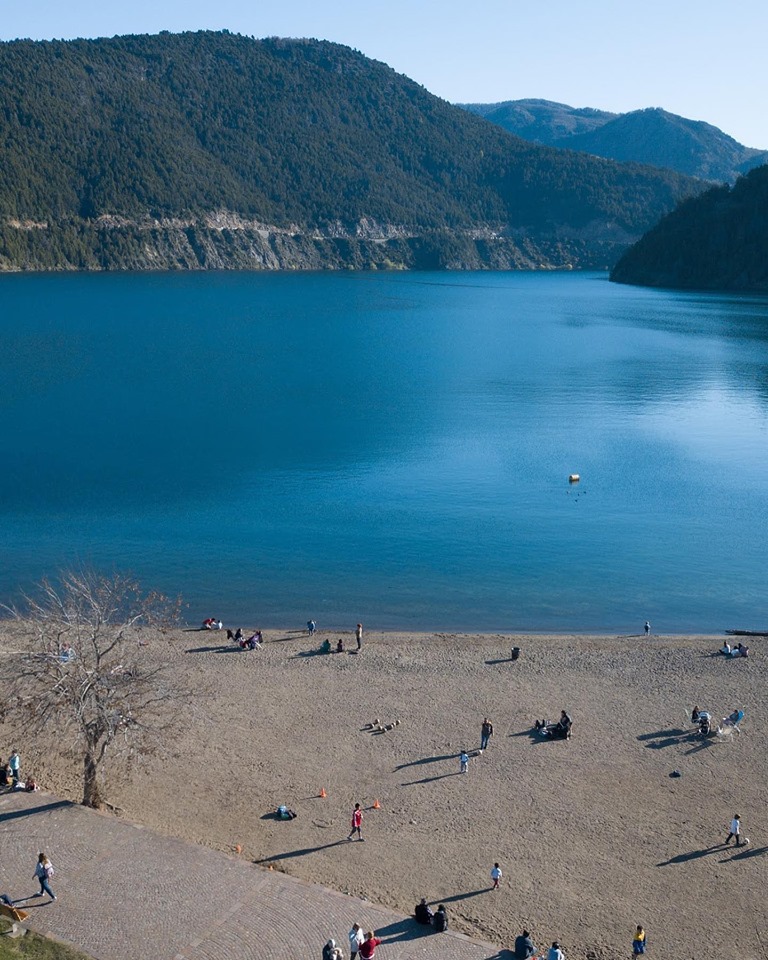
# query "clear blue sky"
(705, 60)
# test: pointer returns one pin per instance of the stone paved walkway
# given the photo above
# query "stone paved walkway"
(124, 893)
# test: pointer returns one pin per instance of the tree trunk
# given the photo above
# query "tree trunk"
(91, 790)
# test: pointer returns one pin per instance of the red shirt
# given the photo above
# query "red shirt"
(368, 948)
(357, 819)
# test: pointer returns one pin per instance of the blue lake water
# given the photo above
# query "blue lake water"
(391, 448)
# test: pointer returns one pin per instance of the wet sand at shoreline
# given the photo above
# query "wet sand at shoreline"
(593, 835)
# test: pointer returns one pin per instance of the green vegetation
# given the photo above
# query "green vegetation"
(116, 152)
(717, 241)
(650, 136)
(33, 947)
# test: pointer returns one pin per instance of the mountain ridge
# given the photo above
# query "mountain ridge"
(650, 136)
(211, 149)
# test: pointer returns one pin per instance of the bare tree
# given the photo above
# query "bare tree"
(86, 675)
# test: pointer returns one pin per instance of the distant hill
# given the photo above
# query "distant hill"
(540, 121)
(716, 241)
(651, 136)
(215, 150)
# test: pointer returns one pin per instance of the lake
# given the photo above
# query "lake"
(391, 447)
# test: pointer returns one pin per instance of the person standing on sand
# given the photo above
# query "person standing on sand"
(359, 636)
(647, 627)
(463, 762)
(638, 941)
(44, 872)
(496, 876)
(356, 937)
(735, 830)
(14, 762)
(486, 732)
(311, 627)
(357, 823)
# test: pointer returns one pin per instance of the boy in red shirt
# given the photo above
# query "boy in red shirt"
(357, 826)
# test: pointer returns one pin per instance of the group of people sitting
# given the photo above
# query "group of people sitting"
(252, 643)
(703, 719)
(738, 651)
(556, 731)
(212, 623)
(438, 920)
(10, 778)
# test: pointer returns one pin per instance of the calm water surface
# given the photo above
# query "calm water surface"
(393, 448)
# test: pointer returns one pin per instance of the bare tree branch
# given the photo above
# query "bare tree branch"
(83, 672)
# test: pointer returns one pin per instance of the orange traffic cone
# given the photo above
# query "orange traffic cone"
(376, 805)
(322, 793)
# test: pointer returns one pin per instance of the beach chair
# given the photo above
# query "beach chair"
(731, 723)
(12, 913)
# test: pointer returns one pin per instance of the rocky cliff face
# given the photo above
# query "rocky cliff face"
(225, 241)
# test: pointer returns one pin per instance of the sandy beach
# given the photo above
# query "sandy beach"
(593, 835)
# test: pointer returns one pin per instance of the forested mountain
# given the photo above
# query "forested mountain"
(540, 121)
(650, 136)
(211, 149)
(716, 241)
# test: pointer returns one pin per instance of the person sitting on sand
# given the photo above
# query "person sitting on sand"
(208, 624)
(740, 651)
(441, 919)
(254, 642)
(555, 953)
(31, 785)
(524, 948)
(422, 912)
(5, 775)
(560, 730)
(340, 646)
(326, 646)
(725, 649)
(238, 634)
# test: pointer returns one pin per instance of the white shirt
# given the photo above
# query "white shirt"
(496, 873)
(356, 937)
(735, 825)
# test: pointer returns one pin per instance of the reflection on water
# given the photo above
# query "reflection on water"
(392, 447)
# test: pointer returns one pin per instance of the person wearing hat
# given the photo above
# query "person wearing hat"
(554, 952)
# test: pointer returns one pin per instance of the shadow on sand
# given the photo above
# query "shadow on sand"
(746, 854)
(439, 776)
(693, 855)
(418, 763)
(303, 851)
(224, 648)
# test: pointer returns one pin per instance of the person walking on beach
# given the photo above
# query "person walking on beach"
(14, 762)
(356, 937)
(311, 627)
(463, 762)
(359, 636)
(647, 627)
(735, 830)
(357, 823)
(638, 941)
(486, 732)
(496, 876)
(44, 872)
